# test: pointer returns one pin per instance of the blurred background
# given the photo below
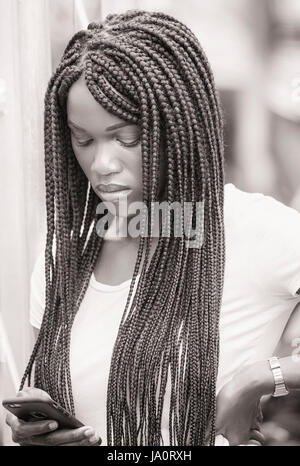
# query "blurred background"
(254, 50)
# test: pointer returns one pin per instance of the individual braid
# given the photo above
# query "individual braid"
(149, 69)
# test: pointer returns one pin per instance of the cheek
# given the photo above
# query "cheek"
(83, 161)
(134, 164)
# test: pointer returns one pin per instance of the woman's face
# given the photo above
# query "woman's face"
(107, 148)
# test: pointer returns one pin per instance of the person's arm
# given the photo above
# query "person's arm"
(273, 230)
(238, 401)
(290, 339)
(260, 374)
(44, 432)
(47, 432)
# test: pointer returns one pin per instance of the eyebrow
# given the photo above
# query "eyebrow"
(110, 128)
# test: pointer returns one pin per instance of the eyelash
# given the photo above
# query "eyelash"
(131, 144)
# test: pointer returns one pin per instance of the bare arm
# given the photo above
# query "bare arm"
(259, 375)
(238, 401)
(290, 338)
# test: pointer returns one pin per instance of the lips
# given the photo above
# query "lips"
(111, 188)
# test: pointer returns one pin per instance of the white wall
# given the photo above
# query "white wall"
(24, 73)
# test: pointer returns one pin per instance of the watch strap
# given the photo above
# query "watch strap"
(279, 384)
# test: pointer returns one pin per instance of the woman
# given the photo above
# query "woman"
(131, 326)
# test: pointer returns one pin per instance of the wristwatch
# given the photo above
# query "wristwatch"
(280, 388)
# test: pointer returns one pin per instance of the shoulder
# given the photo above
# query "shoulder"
(261, 213)
(245, 202)
(269, 233)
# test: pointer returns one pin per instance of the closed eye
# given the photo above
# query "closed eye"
(83, 143)
(129, 144)
(89, 141)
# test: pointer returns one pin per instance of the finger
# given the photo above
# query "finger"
(33, 392)
(23, 430)
(84, 443)
(67, 436)
(30, 429)
(256, 435)
(237, 437)
(10, 419)
(253, 443)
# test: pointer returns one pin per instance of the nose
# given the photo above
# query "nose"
(105, 161)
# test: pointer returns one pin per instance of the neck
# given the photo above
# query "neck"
(120, 231)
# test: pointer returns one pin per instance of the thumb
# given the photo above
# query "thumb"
(33, 392)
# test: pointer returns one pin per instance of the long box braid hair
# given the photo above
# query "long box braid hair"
(149, 69)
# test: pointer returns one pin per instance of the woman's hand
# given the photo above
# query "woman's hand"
(47, 432)
(238, 408)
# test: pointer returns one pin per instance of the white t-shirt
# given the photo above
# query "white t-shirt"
(262, 276)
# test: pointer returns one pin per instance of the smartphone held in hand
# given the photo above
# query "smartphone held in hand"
(38, 409)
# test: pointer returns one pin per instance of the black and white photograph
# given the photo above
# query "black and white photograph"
(150, 225)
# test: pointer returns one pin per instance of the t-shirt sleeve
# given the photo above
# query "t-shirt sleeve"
(276, 230)
(37, 292)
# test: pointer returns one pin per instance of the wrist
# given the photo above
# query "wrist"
(259, 378)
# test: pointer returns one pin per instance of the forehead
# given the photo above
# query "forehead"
(85, 111)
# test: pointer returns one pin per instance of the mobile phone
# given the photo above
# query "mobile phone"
(40, 409)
